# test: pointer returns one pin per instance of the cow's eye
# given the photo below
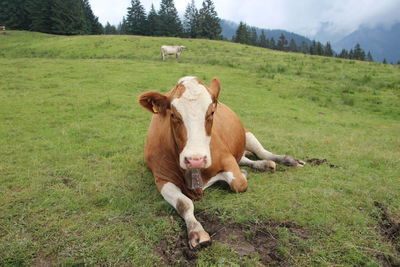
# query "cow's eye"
(212, 113)
(173, 115)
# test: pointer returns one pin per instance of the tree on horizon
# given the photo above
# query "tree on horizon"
(208, 22)
(136, 19)
(170, 24)
(190, 21)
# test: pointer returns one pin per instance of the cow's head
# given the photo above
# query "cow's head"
(190, 108)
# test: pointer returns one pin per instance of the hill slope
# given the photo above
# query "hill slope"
(75, 189)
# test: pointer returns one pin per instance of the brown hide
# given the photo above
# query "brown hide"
(162, 155)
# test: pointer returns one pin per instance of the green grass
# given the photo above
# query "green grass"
(74, 187)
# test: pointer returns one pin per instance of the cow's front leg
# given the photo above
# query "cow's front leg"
(184, 206)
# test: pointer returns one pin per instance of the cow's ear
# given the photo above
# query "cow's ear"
(154, 102)
(215, 88)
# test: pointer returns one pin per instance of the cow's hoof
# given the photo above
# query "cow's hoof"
(264, 165)
(300, 163)
(269, 165)
(199, 239)
(289, 161)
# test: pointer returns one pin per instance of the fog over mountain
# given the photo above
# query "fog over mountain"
(382, 41)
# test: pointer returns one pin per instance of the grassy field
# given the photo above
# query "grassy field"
(75, 190)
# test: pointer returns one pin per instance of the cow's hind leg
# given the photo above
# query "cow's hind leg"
(185, 208)
(254, 146)
(261, 165)
(233, 175)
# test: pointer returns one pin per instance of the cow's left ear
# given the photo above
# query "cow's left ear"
(154, 102)
(215, 88)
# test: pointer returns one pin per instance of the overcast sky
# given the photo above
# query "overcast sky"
(306, 17)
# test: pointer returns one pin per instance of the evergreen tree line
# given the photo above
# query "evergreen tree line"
(67, 17)
(202, 23)
(248, 35)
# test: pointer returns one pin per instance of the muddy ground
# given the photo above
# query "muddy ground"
(247, 240)
(317, 162)
(389, 228)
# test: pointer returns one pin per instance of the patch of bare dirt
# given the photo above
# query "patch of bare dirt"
(390, 230)
(43, 261)
(317, 162)
(245, 239)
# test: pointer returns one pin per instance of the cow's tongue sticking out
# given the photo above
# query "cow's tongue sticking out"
(193, 179)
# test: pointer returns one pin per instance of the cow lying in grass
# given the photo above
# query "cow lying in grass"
(194, 141)
(171, 50)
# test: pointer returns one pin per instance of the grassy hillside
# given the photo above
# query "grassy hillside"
(75, 190)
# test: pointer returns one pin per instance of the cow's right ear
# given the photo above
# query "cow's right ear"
(154, 102)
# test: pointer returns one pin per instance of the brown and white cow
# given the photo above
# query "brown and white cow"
(194, 141)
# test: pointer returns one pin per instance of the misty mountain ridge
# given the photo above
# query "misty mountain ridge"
(382, 41)
(229, 30)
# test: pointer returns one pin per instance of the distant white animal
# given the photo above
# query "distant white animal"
(171, 50)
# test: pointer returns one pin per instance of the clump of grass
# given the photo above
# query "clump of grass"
(348, 101)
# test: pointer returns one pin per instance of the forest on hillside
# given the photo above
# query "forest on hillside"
(75, 17)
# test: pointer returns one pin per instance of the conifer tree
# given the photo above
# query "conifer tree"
(41, 14)
(208, 22)
(328, 50)
(242, 34)
(136, 18)
(253, 36)
(15, 14)
(304, 47)
(190, 20)
(369, 57)
(92, 22)
(272, 43)
(319, 49)
(153, 22)
(292, 46)
(110, 29)
(344, 54)
(282, 43)
(67, 17)
(359, 53)
(122, 27)
(351, 54)
(263, 40)
(313, 48)
(170, 24)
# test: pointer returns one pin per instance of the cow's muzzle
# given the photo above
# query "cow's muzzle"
(196, 162)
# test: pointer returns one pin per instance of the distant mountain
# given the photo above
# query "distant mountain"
(229, 29)
(383, 42)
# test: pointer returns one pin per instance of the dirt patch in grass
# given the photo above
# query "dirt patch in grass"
(43, 261)
(390, 230)
(249, 239)
(317, 162)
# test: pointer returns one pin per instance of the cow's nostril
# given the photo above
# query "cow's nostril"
(195, 161)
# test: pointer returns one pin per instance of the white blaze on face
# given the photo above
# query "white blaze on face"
(193, 105)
